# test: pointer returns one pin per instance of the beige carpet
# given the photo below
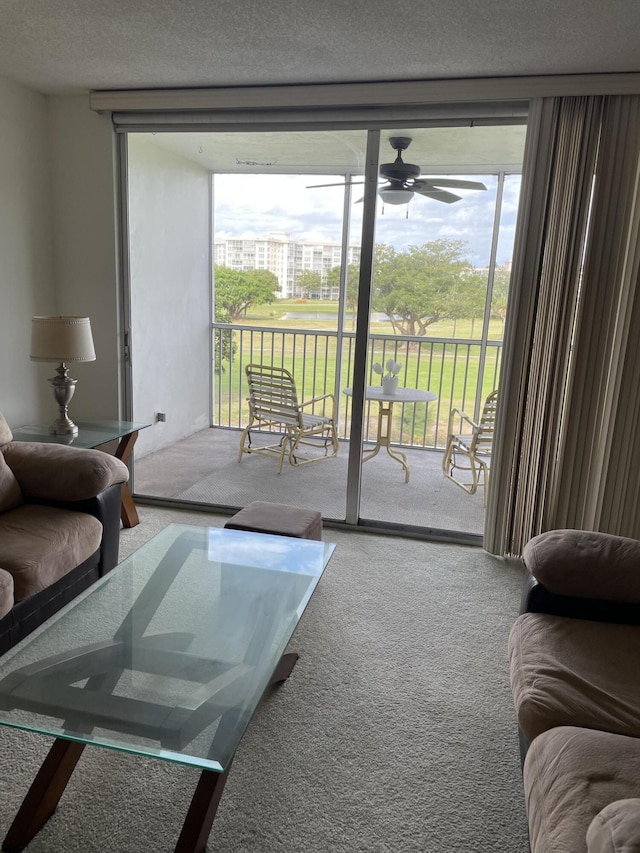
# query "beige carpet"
(394, 734)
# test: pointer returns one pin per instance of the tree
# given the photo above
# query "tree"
(353, 276)
(309, 282)
(468, 297)
(500, 294)
(421, 285)
(237, 290)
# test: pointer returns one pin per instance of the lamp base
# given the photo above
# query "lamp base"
(63, 388)
(63, 426)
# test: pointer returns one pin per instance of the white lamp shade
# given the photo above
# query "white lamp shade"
(61, 339)
(391, 196)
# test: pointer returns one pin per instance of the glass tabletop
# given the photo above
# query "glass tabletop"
(170, 653)
(91, 433)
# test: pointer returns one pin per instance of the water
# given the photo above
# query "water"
(376, 316)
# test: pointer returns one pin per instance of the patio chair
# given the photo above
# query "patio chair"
(469, 446)
(274, 406)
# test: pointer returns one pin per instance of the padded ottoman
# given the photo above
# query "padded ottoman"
(278, 519)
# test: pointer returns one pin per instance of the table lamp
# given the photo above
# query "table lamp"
(62, 339)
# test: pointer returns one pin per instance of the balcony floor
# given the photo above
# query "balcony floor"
(203, 468)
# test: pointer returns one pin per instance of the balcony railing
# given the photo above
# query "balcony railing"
(461, 371)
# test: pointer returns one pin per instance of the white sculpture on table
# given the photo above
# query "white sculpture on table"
(390, 378)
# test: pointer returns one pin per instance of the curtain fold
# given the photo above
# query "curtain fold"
(557, 180)
(599, 467)
(568, 449)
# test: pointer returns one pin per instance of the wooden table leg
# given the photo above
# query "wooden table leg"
(202, 811)
(128, 511)
(44, 794)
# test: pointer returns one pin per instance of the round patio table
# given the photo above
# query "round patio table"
(385, 412)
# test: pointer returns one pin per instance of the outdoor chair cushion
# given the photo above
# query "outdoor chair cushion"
(570, 775)
(574, 672)
(40, 544)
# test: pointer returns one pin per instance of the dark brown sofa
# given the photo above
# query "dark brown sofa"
(59, 528)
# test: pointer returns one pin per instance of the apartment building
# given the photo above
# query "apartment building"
(286, 258)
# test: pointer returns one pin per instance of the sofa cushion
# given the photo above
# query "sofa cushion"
(570, 775)
(6, 592)
(10, 492)
(575, 672)
(56, 472)
(5, 432)
(616, 829)
(586, 564)
(39, 544)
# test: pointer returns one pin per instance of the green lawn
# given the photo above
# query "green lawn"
(272, 314)
(450, 370)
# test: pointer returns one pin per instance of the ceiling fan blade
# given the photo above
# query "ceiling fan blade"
(450, 182)
(435, 193)
(341, 184)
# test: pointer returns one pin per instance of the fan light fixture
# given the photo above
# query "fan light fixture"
(395, 196)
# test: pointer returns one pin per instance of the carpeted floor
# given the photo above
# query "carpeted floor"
(394, 734)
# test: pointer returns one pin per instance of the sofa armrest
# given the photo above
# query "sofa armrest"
(536, 598)
(105, 506)
(56, 472)
(616, 829)
(586, 564)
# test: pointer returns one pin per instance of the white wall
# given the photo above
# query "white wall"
(83, 172)
(26, 254)
(57, 247)
(170, 228)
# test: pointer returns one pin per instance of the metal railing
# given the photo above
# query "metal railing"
(321, 364)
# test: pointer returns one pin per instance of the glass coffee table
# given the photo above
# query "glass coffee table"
(167, 656)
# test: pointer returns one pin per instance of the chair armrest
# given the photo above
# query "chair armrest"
(56, 472)
(463, 417)
(319, 400)
(586, 564)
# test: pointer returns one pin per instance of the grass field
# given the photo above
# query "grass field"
(272, 314)
(307, 346)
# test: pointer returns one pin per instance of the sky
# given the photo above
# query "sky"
(252, 206)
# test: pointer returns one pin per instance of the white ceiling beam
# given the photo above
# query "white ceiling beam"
(412, 92)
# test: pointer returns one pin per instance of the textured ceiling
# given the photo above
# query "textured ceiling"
(71, 46)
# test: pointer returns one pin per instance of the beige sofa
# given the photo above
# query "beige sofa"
(575, 677)
(59, 528)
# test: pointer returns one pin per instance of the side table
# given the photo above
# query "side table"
(94, 435)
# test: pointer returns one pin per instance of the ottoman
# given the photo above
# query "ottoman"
(278, 519)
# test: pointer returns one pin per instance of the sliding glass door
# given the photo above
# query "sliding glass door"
(267, 247)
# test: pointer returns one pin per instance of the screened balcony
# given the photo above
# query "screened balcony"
(204, 468)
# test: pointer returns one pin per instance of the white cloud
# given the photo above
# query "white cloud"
(256, 205)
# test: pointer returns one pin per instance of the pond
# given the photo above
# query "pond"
(376, 316)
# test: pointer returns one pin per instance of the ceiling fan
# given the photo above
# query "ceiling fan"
(403, 180)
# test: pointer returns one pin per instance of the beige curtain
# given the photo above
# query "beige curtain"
(568, 452)
(560, 156)
(597, 478)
